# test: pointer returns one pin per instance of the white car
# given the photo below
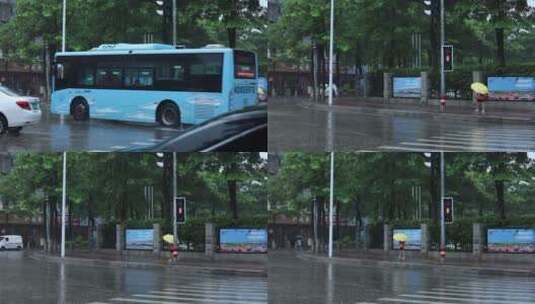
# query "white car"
(11, 242)
(17, 111)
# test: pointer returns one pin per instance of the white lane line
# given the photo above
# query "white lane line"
(412, 301)
(205, 300)
(217, 289)
(397, 148)
(465, 147)
(222, 287)
(235, 295)
(505, 142)
(499, 285)
(129, 300)
(501, 289)
(479, 295)
(466, 299)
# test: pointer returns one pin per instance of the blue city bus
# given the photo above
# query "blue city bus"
(154, 83)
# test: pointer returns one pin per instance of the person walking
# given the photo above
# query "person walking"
(481, 95)
(173, 250)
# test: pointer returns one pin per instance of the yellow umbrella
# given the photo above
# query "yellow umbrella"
(400, 237)
(169, 238)
(479, 88)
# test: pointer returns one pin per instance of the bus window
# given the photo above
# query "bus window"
(138, 78)
(109, 77)
(86, 77)
(245, 65)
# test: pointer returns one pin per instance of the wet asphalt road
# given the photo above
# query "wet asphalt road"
(24, 280)
(54, 134)
(297, 280)
(294, 126)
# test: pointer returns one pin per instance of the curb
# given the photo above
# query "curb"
(143, 265)
(416, 265)
(421, 114)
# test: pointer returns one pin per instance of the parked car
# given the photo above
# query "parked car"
(17, 111)
(11, 242)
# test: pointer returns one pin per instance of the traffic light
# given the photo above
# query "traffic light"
(448, 210)
(180, 210)
(448, 58)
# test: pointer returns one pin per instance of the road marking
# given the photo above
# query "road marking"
(501, 289)
(449, 292)
(145, 301)
(411, 301)
(466, 299)
(203, 300)
(203, 292)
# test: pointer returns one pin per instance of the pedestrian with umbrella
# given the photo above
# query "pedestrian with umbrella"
(173, 250)
(481, 94)
(401, 238)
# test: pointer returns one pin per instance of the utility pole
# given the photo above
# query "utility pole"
(442, 195)
(175, 226)
(331, 55)
(63, 204)
(331, 206)
(442, 43)
(64, 27)
(174, 22)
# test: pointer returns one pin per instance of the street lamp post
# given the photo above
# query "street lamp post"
(64, 27)
(174, 22)
(442, 42)
(331, 55)
(331, 206)
(63, 204)
(175, 226)
(442, 195)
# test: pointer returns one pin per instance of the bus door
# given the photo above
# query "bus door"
(245, 75)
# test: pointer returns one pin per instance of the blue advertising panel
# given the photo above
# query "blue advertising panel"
(414, 239)
(511, 240)
(243, 240)
(512, 88)
(409, 87)
(139, 239)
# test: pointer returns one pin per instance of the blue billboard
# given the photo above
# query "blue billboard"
(243, 240)
(511, 240)
(512, 88)
(414, 239)
(139, 239)
(408, 87)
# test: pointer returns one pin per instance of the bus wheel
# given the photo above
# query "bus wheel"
(3, 124)
(80, 110)
(169, 115)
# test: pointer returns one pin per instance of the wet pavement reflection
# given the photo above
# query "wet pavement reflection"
(25, 280)
(56, 134)
(295, 126)
(295, 279)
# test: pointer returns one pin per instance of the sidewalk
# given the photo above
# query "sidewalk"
(115, 259)
(415, 261)
(496, 112)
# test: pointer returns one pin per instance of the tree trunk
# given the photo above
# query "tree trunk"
(500, 46)
(233, 204)
(435, 163)
(500, 201)
(232, 37)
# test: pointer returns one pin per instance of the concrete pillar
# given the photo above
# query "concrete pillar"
(98, 237)
(477, 239)
(387, 86)
(119, 237)
(156, 239)
(209, 240)
(387, 241)
(425, 240)
(424, 94)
